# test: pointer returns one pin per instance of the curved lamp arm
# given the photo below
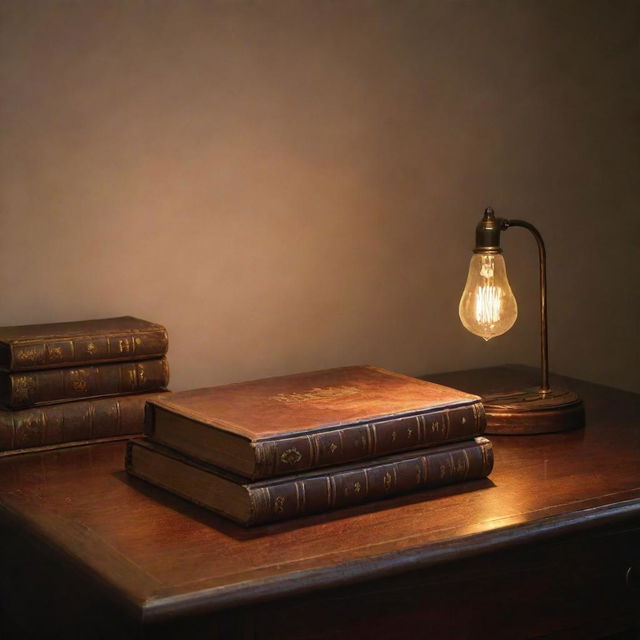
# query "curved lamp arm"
(488, 241)
(542, 256)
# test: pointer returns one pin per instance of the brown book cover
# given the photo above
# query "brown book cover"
(82, 420)
(20, 390)
(252, 503)
(64, 344)
(277, 426)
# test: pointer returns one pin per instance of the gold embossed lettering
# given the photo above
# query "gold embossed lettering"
(387, 481)
(332, 447)
(357, 487)
(317, 394)
(91, 348)
(463, 420)
(278, 505)
(409, 433)
(394, 435)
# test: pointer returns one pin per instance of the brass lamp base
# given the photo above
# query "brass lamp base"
(531, 411)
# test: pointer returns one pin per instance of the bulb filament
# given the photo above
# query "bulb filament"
(488, 304)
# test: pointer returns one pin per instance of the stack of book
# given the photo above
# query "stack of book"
(78, 381)
(272, 449)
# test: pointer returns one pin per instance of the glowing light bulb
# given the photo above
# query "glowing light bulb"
(487, 307)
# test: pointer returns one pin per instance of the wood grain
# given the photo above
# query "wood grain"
(163, 558)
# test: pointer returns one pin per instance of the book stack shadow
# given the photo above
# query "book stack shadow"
(75, 382)
(273, 449)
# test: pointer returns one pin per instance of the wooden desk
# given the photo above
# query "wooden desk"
(549, 545)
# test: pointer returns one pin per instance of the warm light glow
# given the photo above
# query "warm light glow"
(487, 306)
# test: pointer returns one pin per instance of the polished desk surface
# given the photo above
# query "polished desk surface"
(161, 557)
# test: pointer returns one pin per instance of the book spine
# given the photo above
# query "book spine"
(48, 354)
(72, 421)
(22, 390)
(353, 443)
(284, 500)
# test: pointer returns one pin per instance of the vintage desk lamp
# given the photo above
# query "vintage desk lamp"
(488, 308)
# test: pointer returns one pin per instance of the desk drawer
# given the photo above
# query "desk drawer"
(580, 586)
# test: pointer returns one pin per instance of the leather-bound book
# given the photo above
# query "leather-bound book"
(277, 426)
(24, 389)
(79, 421)
(252, 503)
(65, 344)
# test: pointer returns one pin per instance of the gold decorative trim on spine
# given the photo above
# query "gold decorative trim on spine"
(314, 451)
(467, 463)
(279, 504)
(374, 439)
(259, 504)
(334, 491)
(269, 504)
(386, 481)
(487, 457)
(118, 408)
(291, 456)
(425, 470)
(370, 427)
(296, 486)
(258, 457)
(446, 422)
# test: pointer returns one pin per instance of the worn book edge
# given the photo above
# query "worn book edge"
(83, 333)
(238, 429)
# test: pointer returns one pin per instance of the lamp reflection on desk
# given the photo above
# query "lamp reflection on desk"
(488, 309)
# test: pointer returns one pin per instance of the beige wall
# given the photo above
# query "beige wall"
(294, 185)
